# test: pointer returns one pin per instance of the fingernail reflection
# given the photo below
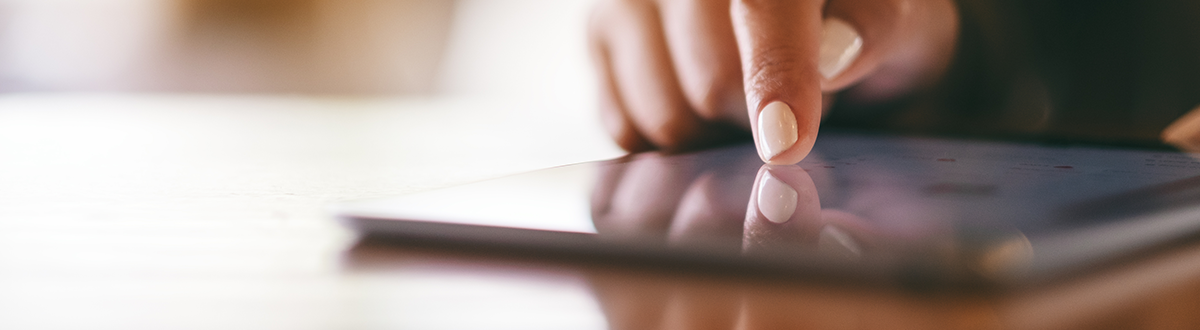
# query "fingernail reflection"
(1007, 259)
(835, 241)
(776, 200)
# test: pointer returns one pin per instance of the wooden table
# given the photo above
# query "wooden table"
(178, 212)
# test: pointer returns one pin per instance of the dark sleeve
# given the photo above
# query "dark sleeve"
(1092, 70)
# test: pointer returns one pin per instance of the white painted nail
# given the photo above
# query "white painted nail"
(776, 200)
(840, 45)
(776, 130)
(836, 241)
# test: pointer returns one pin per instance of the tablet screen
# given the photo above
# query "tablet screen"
(954, 210)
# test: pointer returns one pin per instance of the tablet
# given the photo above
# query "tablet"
(862, 207)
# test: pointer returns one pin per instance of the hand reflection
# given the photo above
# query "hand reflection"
(675, 302)
(681, 200)
(733, 203)
(785, 212)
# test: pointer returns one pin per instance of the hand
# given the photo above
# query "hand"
(1184, 132)
(679, 74)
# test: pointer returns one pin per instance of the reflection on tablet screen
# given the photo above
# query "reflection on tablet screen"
(940, 208)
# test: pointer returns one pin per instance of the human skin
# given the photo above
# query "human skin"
(679, 75)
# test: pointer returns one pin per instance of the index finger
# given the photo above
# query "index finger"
(779, 46)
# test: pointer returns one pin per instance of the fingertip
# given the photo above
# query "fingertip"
(797, 154)
(783, 137)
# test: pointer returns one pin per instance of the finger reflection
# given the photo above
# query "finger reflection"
(728, 203)
(709, 213)
(784, 210)
(732, 203)
(1007, 259)
(697, 201)
(845, 235)
(776, 200)
(639, 197)
(836, 241)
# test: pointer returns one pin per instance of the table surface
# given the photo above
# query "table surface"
(186, 211)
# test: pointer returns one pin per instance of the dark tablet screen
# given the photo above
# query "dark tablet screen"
(868, 205)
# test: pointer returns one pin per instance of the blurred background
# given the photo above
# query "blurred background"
(320, 47)
(431, 77)
(172, 163)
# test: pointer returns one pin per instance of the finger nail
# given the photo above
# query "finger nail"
(836, 241)
(776, 200)
(840, 45)
(776, 130)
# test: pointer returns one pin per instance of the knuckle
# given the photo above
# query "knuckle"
(770, 67)
(769, 6)
(602, 15)
(606, 12)
(709, 87)
(719, 100)
(903, 8)
(632, 143)
(622, 131)
(671, 134)
(753, 4)
(626, 138)
(709, 108)
(631, 5)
